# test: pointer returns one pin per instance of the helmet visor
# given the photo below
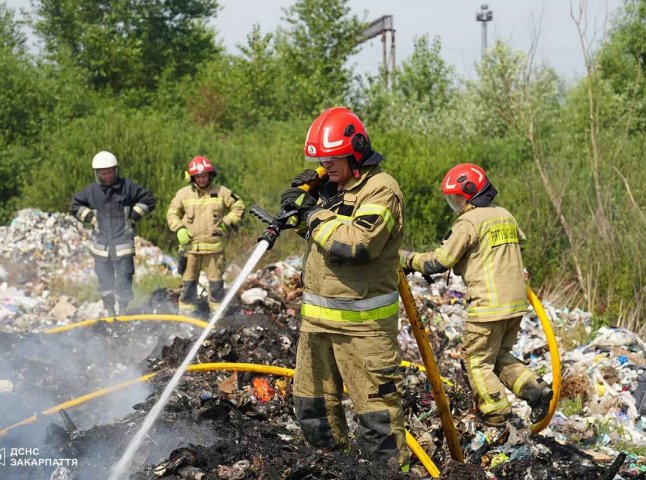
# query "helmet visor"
(456, 202)
(106, 176)
(327, 159)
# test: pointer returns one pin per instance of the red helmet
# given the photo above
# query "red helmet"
(470, 182)
(465, 179)
(199, 165)
(337, 132)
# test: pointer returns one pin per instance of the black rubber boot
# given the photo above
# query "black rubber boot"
(538, 396)
(541, 405)
(123, 307)
(108, 304)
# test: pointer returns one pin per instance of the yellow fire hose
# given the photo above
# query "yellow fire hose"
(554, 358)
(207, 367)
(433, 373)
(129, 318)
(411, 310)
(177, 318)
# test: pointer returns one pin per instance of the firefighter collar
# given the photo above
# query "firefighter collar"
(366, 172)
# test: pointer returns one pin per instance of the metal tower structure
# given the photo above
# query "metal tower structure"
(382, 26)
(484, 15)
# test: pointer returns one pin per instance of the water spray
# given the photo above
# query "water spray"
(120, 468)
(265, 242)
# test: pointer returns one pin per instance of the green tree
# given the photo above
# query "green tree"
(622, 59)
(425, 77)
(12, 37)
(126, 44)
(19, 82)
(296, 71)
(314, 50)
(423, 88)
(222, 95)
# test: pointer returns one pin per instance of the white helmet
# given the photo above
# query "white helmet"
(104, 160)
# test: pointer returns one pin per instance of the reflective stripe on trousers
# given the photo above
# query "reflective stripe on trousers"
(369, 367)
(490, 365)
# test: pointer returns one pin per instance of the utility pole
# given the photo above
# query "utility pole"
(382, 26)
(484, 15)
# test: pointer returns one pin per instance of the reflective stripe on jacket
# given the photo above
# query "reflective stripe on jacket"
(112, 207)
(484, 248)
(350, 270)
(203, 212)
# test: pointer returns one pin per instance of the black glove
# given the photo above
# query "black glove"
(307, 177)
(89, 217)
(296, 199)
(135, 216)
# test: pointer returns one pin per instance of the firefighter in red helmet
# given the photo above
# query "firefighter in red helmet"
(354, 226)
(201, 214)
(484, 247)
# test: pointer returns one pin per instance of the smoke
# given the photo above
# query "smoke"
(45, 370)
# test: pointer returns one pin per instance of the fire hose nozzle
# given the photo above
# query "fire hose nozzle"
(284, 219)
(261, 214)
(271, 233)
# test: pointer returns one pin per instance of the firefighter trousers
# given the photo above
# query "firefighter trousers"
(369, 367)
(115, 277)
(491, 367)
(213, 266)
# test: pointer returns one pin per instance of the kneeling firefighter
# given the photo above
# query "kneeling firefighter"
(354, 226)
(201, 215)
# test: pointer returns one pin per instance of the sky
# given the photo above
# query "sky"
(454, 21)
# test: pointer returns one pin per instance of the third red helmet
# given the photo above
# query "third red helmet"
(466, 179)
(199, 165)
(467, 183)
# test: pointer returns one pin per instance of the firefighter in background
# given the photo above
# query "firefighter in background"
(201, 215)
(354, 227)
(112, 205)
(484, 247)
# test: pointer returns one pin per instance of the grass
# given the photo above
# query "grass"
(572, 336)
(571, 406)
(632, 448)
(81, 292)
(88, 291)
(145, 285)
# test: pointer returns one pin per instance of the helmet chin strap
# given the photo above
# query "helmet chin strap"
(354, 166)
(368, 158)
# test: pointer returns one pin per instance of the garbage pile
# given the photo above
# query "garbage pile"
(602, 411)
(240, 425)
(41, 253)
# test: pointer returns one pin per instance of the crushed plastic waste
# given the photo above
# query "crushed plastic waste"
(43, 254)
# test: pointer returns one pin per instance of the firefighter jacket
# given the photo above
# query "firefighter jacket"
(207, 213)
(350, 274)
(115, 208)
(483, 247)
